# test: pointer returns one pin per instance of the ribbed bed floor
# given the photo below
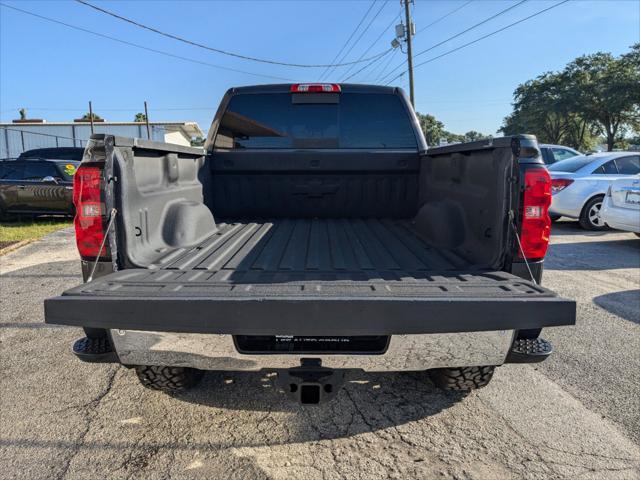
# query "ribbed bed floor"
(314, 249)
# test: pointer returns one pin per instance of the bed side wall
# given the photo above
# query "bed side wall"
(464, 200)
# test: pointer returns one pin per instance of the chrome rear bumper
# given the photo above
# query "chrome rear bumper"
(405, 352)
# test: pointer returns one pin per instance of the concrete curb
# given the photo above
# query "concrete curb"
(17, 245)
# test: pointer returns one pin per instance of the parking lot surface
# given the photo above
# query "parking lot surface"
(576, 415)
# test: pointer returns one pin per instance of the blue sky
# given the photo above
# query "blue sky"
(54, 70)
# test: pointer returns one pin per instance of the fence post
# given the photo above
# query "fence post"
(6, 141)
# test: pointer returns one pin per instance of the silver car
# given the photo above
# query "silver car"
(579, 184)
(621, 205)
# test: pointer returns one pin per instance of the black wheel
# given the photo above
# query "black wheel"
(463, 378)
(554, 218)
(589, 217)
(168, 379)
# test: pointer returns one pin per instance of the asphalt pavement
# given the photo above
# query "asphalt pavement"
(577, 415)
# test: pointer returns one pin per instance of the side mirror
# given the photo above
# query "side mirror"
(49, 179)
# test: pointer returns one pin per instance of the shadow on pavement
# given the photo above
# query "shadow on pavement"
(367, 402)
(570, 227)
(625, 304)
(605, 255)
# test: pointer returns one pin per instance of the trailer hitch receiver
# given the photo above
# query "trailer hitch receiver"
(311, 383)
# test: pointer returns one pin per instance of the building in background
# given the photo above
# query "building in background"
(20, 136)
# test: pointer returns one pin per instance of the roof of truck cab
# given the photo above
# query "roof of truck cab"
(286, 88)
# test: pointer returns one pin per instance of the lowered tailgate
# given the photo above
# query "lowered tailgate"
(195, 302)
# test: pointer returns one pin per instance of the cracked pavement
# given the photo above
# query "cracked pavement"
(576, 415)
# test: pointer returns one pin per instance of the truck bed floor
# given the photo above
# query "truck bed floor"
(314, 249)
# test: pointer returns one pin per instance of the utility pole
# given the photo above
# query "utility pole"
(409, 28)
(91, 116)
(146, 120)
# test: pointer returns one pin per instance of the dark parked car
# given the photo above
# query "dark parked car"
(57, 153)
(37, 186)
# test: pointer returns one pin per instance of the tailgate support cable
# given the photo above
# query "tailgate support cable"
(515, 230)
(112, 217)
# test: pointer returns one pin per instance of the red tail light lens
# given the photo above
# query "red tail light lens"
(536, 224)
(90, 212)
(315, 88)
(559, 184)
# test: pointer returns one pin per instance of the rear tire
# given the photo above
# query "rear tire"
(168, 379)
(589, 219)
(462, 379)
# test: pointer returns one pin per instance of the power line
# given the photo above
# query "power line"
(348, 39)
(393, 20)
(218, 50)
(384, 4)
(381, 73)
(131, 44)
(444, 16)
(483, 37)
(466, 30)
(363, 68)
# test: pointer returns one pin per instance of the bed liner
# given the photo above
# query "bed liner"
(307, 276)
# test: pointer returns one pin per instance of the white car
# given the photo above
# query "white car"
(621, 205)
(579, 184)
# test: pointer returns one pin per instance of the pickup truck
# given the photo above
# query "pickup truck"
(315, 235)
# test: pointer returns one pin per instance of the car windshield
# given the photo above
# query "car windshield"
(571, 164)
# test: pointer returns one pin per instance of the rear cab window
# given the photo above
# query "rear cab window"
(11, 170)
(35, 171)
(315, 121)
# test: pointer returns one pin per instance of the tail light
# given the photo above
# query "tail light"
(536, 224)
(559, 184)
(90, 212)
(315, 88)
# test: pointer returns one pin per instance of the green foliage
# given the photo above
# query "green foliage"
(197, 141)
(87, 116)
(594, 95)
(434, 131)
(140, 117)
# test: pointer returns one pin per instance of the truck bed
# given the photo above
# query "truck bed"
(306, 277)
(289, 250)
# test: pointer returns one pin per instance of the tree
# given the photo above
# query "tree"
(594, 94)
(197, 141)
(433, 129)
(140, 117)
(23, 113)
(541, 107)
(87, 117)
(473, 136)
(606, 91)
